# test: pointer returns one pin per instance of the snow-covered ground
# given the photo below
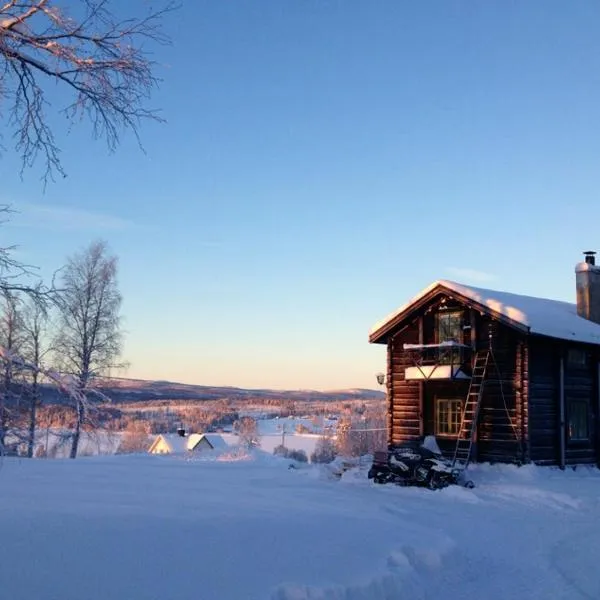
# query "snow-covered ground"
(143, 527)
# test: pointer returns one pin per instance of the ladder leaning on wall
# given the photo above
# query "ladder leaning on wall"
(470, 413)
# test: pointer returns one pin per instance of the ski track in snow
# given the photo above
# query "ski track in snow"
(146, 527)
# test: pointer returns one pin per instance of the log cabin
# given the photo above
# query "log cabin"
(531, 364)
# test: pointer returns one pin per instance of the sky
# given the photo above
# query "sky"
(322, 162)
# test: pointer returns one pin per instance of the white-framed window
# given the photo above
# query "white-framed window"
(448, 416)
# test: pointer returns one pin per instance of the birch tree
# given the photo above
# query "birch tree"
(247, 430)
(10, 339)
(34, 347)
(89, 339)
(99, 64)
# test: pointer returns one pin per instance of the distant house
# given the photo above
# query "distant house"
(182, 442)
(497, 376)
(212, 441)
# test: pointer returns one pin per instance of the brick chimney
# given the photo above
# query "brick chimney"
(587, 280)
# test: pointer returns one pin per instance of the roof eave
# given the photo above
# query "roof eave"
(563, 339)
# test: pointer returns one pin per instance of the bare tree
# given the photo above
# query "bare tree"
(89, 339)
(34, 347)
(136, 438)
(247, 430)
(16, 277)
(10, 339)
(100, 61)
(364, 434)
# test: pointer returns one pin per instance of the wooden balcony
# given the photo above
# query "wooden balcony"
(446, 361)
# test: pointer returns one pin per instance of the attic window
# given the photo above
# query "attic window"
(576, 357)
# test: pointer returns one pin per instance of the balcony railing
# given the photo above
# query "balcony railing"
(447, 360)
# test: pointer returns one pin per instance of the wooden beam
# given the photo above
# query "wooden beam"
(561, 411)
(525, 391)
(421, 383)
(389, 385)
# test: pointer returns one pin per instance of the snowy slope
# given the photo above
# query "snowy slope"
(161, 527)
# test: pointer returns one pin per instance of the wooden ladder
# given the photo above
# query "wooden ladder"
(470, 413)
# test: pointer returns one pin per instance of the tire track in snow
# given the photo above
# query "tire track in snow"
(566, 559)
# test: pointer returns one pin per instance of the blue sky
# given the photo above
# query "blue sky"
(322, 162)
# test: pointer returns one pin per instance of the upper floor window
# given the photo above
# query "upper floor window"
(449, 329)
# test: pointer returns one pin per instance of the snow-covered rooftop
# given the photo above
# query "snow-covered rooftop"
(216, 441)
(177, 443)
(541, 316)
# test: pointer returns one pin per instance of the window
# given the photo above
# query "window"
(448, 416)
(577, 358)
(578, 420)
(449, 329)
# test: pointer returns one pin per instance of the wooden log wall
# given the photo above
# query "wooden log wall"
(544, 417)
(522, 398)
(500, 433)
(550, 385)
(405, 412)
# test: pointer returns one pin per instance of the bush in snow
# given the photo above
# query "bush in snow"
(324, 451)
(297, 455)
(281, 450)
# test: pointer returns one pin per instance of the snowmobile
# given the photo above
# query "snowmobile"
(418, 463)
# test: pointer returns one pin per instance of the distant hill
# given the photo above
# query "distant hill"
(131, 390)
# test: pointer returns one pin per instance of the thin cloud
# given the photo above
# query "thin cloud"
(470, 274)
(64, 218)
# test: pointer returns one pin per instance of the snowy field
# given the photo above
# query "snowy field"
(143, 527)
(56, 443)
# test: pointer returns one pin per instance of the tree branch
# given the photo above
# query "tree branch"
(102, 63)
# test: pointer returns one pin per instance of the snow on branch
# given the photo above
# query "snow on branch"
(100, 61)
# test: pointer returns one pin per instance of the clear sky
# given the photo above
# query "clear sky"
(322, 162)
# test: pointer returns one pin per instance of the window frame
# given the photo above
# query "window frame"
(457, 412)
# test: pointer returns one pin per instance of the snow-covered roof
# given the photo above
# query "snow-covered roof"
(179, 444)
(175, 442)
(215, 440)
(540, 316)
